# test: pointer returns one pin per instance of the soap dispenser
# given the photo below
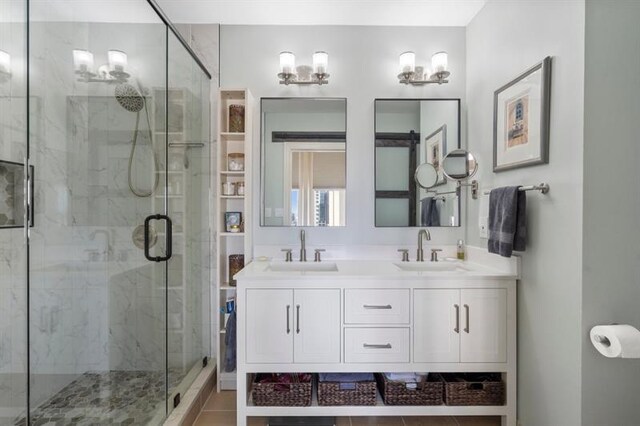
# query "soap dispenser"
(460, 250)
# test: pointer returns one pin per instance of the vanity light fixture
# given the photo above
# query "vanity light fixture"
(289, 74)
(5, 66)
(113, 72)
(410, 74)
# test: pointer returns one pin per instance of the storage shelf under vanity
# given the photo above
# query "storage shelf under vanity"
(380, 409)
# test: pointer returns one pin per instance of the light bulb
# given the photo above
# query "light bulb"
(439, 62)
(82, 61)
(287, 62)
(117, 60)
(320, 62)
(407, 62)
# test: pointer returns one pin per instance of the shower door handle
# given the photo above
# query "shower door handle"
(169, 232)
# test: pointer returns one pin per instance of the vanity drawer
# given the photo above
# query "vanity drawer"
(369, 306)
(376, 345)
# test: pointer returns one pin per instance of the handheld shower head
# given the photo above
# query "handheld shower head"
(129, 97)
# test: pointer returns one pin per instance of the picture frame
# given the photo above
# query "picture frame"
(435, 148)
(231, 219)
(521, 115)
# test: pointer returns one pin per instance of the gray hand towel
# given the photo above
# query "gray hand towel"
(230, 343)
(507, 221)
(429, 212)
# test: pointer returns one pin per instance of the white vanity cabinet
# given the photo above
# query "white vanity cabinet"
(293, 326)
(369, 316)
(460, 325)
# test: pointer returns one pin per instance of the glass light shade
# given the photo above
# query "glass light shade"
(439, 62)
(82, 61)
(320, 62)
(287, 63)
(407, 62)
(117, 60)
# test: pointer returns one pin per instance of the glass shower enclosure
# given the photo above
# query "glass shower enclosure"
(105, 161)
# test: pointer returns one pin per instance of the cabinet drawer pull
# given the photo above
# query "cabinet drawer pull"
(377, 306)
(371, 346)
(457, 329)
(297, 319)
(466, 308)
(288, 327)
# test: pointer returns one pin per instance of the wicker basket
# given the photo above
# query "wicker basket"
(347, 393)
(474, 389)
(428, 392)
(296, 394)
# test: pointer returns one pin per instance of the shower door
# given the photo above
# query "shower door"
(188, 183)
(13, 242)
(98, 271)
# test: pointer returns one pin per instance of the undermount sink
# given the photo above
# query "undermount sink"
(430, 266)
(302, 267)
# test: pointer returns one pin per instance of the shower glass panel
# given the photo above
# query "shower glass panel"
(188, 180)
(13, 247)
(98, 306)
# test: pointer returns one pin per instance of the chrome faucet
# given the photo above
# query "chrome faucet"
(303, 247)
(422, 233)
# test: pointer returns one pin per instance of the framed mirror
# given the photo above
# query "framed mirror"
(409, 133)
(303, 161)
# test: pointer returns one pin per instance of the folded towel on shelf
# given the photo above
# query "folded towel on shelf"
(230, 344)
(346, 377)
(507, 220)
(403, 377)
(429, 212)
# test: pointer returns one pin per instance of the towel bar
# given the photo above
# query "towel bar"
(543, 187)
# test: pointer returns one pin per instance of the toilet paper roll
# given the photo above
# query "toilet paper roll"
(616, 341)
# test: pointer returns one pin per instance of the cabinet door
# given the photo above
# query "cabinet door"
(484, 325)
(317, 326)
(269, 315)
(436, 325)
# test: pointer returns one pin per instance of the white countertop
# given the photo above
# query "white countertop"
(371, 269)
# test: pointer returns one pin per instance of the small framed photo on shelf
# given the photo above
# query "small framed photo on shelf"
(232, 221)
(521, 119)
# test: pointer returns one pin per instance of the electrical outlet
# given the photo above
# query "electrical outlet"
(484, 226)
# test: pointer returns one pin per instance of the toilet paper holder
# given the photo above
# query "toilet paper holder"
(602, 340)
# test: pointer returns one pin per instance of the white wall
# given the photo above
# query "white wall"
(363, 66)
(611, 269)
(503, 40)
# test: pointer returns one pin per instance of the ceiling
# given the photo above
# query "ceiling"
(325, 12)
(253, 12)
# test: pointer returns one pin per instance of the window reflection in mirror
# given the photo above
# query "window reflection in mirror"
(408, 133)
(303, 151)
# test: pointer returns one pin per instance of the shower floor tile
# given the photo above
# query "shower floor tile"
(101, 398)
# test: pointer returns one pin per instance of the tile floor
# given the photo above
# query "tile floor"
(220, 410)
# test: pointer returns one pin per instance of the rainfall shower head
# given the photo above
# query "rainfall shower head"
(129, 97)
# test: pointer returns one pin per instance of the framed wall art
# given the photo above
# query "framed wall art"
(436, 146)
(521, 111)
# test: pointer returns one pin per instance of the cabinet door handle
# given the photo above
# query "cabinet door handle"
(288, 328)
(297, 319)
(371, 346)
(377, 306)
(466, 308)
(457, 329)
